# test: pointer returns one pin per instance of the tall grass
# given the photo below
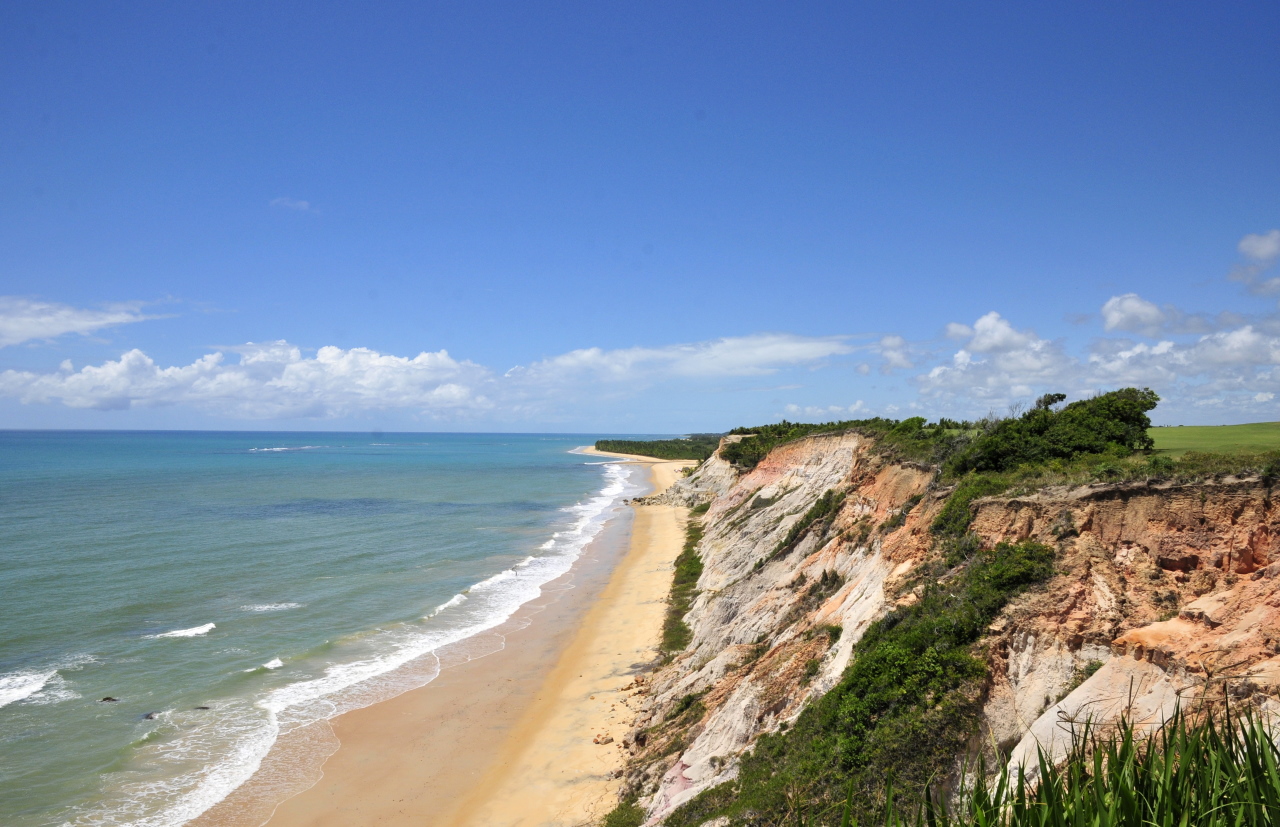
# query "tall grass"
(1221, 771)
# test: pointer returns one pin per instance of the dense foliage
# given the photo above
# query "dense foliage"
(1112, 424)
(1115, 422)
(684, 586)
(905, 707)
(695, 446)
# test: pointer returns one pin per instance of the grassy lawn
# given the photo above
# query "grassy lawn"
(1221, 439)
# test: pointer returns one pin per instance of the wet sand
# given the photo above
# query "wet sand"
(506, 735)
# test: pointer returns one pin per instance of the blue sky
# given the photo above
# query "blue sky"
(633, 218)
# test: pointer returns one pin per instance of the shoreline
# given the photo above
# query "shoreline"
(511, 711)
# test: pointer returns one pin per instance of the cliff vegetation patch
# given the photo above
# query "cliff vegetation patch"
(906, 706)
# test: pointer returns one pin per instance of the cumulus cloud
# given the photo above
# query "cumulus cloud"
(1132, 313)
(268, 380)
(895, 352)
(1261, 246)
(996, 362)
(24, 320)
(277, 380)
(1262, 250)
(754, 355)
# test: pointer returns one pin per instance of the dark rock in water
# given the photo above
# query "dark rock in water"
(202, 707)
(150, 716)
(108, 700)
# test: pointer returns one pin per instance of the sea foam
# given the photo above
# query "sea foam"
(270, 607)
(18, 685)
(194, 631)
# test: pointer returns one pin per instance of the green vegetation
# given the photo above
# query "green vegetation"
(626, 814)
(694, 446)
(1258, 437)
(1215, 772)
(684, 587)
(822, 512)
(906, 706)
(954, 518)
(1115, 422)
(911, 439)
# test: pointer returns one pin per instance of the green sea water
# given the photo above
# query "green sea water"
(227, 588)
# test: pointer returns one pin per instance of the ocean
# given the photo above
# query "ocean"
(228, 588)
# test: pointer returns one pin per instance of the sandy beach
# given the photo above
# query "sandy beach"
(523, 725)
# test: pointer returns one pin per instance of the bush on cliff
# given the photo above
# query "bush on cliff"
(1115, 422)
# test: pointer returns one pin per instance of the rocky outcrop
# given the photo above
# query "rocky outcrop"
(1163, 591)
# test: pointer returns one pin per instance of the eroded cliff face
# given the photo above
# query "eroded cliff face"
(1161, 590)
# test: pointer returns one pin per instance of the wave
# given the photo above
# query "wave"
(18, 685)
(246, 729)
(270, 607)
(274, 663)
(456, 600)
(194, 631)
(286, 448)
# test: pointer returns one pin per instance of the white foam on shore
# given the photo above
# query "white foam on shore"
(194, 631)
(245, 731)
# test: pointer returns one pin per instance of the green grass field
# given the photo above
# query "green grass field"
(1218, 439)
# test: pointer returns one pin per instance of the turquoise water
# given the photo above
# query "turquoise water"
(276, 579)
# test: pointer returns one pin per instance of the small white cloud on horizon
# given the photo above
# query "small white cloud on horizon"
(297, 204)
(24, 320)
(755, 355)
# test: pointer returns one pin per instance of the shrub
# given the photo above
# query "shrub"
(1110, 421)
(684, 587)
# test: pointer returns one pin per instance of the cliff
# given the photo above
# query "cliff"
(1161, 591)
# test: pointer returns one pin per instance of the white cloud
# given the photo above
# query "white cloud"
(992, 334)
(22, 320)
(955, 330)
(270, 380)
(894, 351)
(1132, 313)
(997, 363)
(754, 355)
(276, 380)
(1261, 246)
(296, 204)
(1262, 250)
